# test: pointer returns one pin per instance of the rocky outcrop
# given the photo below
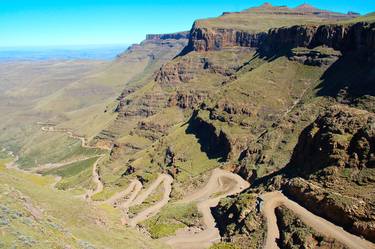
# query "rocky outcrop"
(337, 150)
(187, 99)
(169, 158)
(177, 72)
(188, 69)
(153, 53)
(345, 38)
(147, 106)
(174, 36)
(207, 39)
(314, 57)
(341, 137)
(239, 221)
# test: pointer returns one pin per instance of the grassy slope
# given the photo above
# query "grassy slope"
(78, 95)
(366, 18)
(76, 175)
(65, 220)
(38, 150)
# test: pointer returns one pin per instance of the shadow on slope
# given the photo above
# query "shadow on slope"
(214, 143)
(351, 76)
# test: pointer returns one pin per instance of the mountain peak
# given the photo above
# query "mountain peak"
(266, 5)
(306, 6)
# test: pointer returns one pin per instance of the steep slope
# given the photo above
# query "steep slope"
(31, 209)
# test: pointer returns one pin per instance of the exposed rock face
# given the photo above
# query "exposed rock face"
(175, 36)
(169, 157)
(144, 107)
(341, 137)
(190, 68)
(346, 38)
(354, 37)
(314, 57)
(178, 72)
(239, 222)
(205, 39)
(187, 99)
(340, 140)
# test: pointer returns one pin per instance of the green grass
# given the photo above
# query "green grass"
(52, 148)
(107, 192)
(76, 175)
(64, 221)
(296, 234)
(366, 18)
(72, 169)
(171, 218)
(82, 180)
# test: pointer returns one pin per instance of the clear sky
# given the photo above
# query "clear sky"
(78, 22)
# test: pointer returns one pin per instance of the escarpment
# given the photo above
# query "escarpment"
(208, 39)
(345, 38)
(174, 36)
(244, 29)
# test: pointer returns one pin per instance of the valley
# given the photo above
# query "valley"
(255, 129)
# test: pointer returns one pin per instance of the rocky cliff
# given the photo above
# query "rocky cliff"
(246, 31)
(173, 36)
(206, 39)
(353, 37)
(346, 38)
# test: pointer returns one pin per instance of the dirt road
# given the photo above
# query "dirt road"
(222, 183)
(153, 210)
(276, 199)
(95, 173)
(96, 179)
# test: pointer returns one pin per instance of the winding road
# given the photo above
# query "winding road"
(221, 184)
(167, 181)
(95, 172)
(275, 199)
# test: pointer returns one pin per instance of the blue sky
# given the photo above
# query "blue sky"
(78, 22)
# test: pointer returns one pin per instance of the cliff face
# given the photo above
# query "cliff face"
(353, 37)
(174, 36)
(206, 39)
(346, 38)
